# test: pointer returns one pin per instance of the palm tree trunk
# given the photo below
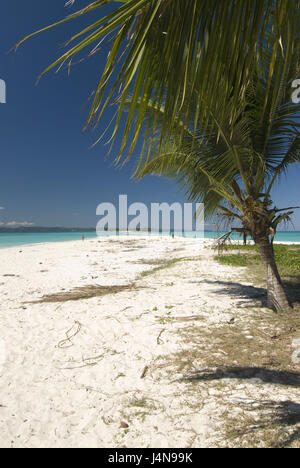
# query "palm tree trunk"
(277, 298)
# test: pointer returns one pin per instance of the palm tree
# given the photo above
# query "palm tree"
(169, 51)
(232, 167)
(211, 80)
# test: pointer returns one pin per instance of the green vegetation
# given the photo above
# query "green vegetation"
(165, 264)
(286, 256)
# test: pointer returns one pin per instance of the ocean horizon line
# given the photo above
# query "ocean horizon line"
(41, 229)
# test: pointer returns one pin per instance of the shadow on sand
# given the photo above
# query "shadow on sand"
(281, 416)
(246, 292)
(291, 379)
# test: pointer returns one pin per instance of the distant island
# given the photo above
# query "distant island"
(38, 229)
(45, 229)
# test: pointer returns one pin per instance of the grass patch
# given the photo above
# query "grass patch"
(163, 266)
(151, 262)
(140, 408)
(287, 259)
(166, 264)
(238, 260)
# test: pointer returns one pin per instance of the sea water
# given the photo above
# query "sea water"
(23, 238)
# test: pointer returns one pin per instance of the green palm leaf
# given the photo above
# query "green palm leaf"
(169, 51)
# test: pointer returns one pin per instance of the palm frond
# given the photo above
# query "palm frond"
(169, 51)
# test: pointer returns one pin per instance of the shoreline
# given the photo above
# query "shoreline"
(100, 239)
(139, 236)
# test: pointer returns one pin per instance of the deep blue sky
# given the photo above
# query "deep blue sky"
(49, 175)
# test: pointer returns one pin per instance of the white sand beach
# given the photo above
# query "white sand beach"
(106, 371)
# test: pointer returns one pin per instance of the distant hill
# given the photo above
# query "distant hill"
(45, 229)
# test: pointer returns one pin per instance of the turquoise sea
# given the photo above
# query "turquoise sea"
(24, 238)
